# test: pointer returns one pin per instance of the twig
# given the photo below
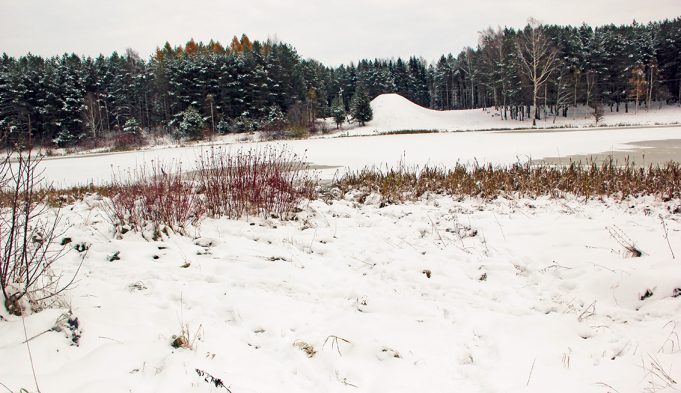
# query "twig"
(436, 230)
(211, 379)
(603, 267)
(666, 235)
(657, 377)
(589, 311)
(607, 386)
(670, 338)
(334, 341)
(112, 339)
(499, 224)
(624, 241)
(36, 336)
(530, 376)
(30, 355)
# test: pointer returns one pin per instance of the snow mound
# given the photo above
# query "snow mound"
(392, 112)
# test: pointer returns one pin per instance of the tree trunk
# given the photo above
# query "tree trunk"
(650, 89)
(536, 110)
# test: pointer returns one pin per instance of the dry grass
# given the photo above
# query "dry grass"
(587, 180)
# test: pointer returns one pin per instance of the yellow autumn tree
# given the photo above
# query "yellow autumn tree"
(246, 43)
(236, 46)
(159, 55)
(191, 48)
(216, 47)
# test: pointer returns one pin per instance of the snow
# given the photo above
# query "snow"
(523, 296)
(509, 295)
(394, 113)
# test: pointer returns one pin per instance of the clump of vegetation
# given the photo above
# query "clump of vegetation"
(305, 347)
(521, 179)
(154, 199)
(268, 182)
(253, 182)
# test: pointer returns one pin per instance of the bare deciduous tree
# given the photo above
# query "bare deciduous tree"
(470, 70)
(493, 57)
(563, 94)
(538, 59)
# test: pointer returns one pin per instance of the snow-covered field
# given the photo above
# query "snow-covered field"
(433, 296)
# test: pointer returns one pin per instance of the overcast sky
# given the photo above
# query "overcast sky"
(332, 31)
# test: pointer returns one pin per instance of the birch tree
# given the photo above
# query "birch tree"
(538, 59)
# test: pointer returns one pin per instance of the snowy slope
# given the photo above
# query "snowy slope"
(520, 296)
(393, 112)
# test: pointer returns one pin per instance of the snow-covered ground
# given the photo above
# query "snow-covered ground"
(394, 113)
(510, 295)
(357, 152)
(433, 296)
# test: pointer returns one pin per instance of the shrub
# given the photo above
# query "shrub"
(275, 120)
(267, 182)
(126, 140)
(154, 200)
(254, 182)
(224, 126)
(28, 234)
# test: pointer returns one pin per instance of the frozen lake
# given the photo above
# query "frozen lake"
(339, 154)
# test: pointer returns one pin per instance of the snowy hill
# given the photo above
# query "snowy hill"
(393, 112)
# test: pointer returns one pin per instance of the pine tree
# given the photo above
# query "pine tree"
(338, 111)
(70, 93)
(191, 125)
(132, 127)
(360, 106)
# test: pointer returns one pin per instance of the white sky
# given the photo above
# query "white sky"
(331, 31)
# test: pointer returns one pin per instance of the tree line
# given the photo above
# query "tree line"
(185, 90)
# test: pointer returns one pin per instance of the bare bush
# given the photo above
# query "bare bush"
(154, 198)
(253, 182)
(28, 236)
(267, 182)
